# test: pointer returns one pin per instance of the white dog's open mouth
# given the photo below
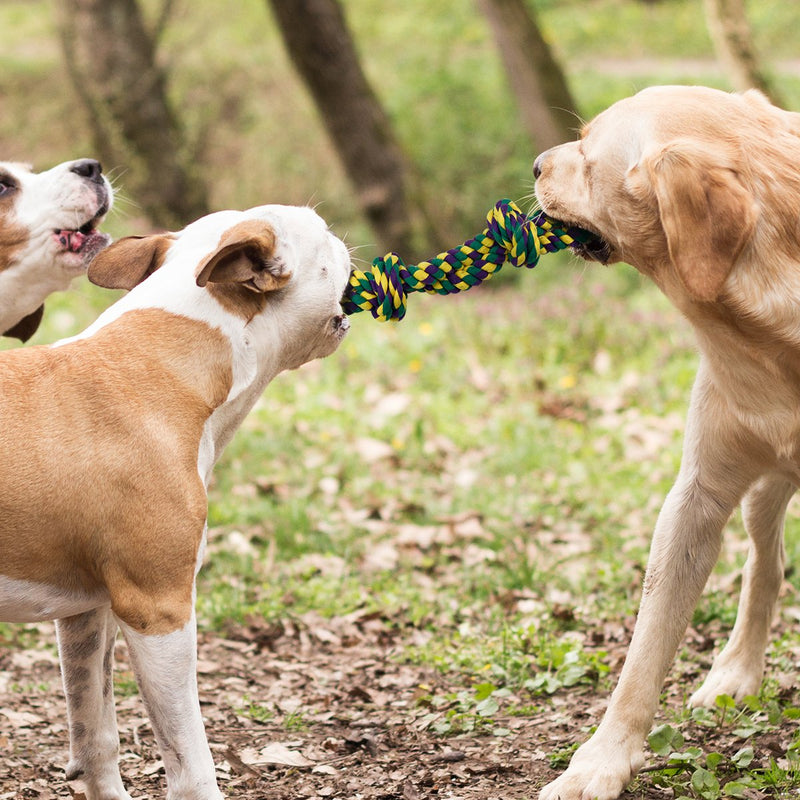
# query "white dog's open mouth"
(85, 241)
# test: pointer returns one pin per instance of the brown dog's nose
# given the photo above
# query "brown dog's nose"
(537, 166)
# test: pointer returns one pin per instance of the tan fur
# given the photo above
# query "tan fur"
(705, 212)
(129, 261)
(237, 302)
(241, 247)
(117, 388)
(700, 191)
(13, 237)
(231, 268)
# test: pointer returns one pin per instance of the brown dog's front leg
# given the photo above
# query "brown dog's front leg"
(685, 548)
(739, 669)
(166, 671)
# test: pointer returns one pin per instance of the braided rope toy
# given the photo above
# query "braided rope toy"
(509, 236)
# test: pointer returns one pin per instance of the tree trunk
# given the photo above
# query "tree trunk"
(319, 43)
(733, 41)
(110, 57)
(543, 96)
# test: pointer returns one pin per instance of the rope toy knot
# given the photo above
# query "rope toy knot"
(509, 236)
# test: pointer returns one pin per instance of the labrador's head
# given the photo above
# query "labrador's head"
(680, 182)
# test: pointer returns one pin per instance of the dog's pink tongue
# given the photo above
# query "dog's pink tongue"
(72, 240)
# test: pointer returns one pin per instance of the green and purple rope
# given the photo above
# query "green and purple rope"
(509, 236)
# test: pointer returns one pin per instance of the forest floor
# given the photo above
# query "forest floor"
(355, 723)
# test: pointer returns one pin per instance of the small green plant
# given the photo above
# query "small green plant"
(559, 758)
(694, 773)
(296, 721)
(704, 775)
(29, 688)
(465, 711)
(23, 637)
(565, 664)
(521, 659)
(257, 711)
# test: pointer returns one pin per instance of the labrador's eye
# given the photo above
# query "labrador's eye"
(6, 186)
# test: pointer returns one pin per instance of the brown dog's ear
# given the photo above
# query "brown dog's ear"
(707, 215)
(27, 326)
(760, 105)
(128, 261)
(245, 256)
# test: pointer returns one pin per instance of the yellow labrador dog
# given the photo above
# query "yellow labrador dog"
(700, 191)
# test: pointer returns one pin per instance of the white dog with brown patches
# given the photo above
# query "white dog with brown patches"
(108, 441)
(700, 191)
(48, 235)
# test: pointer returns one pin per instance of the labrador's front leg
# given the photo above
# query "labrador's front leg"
(739, 669)
(685, 548)
(166, 671)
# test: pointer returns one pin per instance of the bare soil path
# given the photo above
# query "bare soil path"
(316, 708)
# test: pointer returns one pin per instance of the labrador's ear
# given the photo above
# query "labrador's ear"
(245, 256)
(27, 326)
(128, 261)
(760, 105)
(707, 215)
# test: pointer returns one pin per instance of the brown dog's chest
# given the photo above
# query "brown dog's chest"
(99, 486)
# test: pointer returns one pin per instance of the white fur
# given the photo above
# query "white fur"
(166, 671)
(27, 601)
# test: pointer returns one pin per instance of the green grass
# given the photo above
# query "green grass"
(519, 417)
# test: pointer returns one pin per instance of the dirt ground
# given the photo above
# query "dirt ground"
(347, 721)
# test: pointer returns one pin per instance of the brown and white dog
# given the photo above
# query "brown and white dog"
(48, 235)
(108, 441)
(700, 191)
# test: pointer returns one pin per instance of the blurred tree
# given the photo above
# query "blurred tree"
(733, 41)
(545, 102)
(110, 57)
(322, 50)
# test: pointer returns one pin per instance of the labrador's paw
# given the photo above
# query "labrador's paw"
(598, 771)
(734, 677)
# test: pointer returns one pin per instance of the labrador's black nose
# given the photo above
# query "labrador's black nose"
(537, 166)
(88, 168)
